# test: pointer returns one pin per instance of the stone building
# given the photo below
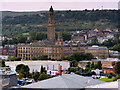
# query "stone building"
(98, 52)
(54, 49)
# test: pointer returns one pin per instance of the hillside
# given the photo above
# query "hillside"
(15, 23)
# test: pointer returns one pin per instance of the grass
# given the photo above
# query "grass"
(25, 34)
(106, 79)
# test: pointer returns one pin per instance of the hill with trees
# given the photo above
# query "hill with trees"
(15, 23)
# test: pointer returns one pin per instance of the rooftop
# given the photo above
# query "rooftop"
(97, 47)
(105, 85)
(65, 81)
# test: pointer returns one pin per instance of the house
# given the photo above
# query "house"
(9, 50)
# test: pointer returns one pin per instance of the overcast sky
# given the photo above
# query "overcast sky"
(38, 5)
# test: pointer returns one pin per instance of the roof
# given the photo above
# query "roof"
(105, 85)
(97, 48)
(43, 42)
(65, 81)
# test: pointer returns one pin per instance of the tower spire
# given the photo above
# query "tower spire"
(51, 26)
(51, 9)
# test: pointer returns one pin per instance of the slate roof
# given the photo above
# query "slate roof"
(65, 81)
(97, 48)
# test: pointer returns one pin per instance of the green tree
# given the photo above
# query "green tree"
(36, 75)
(10, 42)
(2, 63)
(5, 41)
(72, 69)
(116, 47)
(17, 58)
(92, 65)
(12, 58)
(24, 69)
(73, 63)
(99, 64)
(88, 56)
(94, 41)
(79, 56)
(88, 67)
(34, 58)
(43, 57)
(66, 36)
(43, 76)
(22, 39)
(42, 69)
(117, 68)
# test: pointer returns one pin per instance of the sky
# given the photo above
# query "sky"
(41, 5)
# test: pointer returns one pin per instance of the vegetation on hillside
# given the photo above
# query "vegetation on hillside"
(64, 21)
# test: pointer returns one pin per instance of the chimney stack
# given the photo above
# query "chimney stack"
(60, 69)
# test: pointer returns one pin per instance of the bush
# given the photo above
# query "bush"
(110, 76)
(43, 76)
(115, 78)
(77, 72)
(73, 63)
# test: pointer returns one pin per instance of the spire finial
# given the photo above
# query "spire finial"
(51, 9)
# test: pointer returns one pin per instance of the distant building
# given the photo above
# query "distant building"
(9, 50)
(108, 65)
(99, 52)
(114, 54)
(54, 49)
(36, 65)
(78, 38)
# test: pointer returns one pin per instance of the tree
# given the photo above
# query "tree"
(22, 39)
(42, 69)
(88, 67)
(36, 75)
(92, 65)
(117, 68)
(99, 64)
(72, 69)
(43, 76)
(73, 63)
(116, 47)
(94, 41)
(13, 58)
(79, 56)
(17, 58)
(20, 76)
(2, 63)
(5, 41)
(66, 36)
(34, 58)
(43, 57)
(88, 56)
(24, 69)
(110, 75)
